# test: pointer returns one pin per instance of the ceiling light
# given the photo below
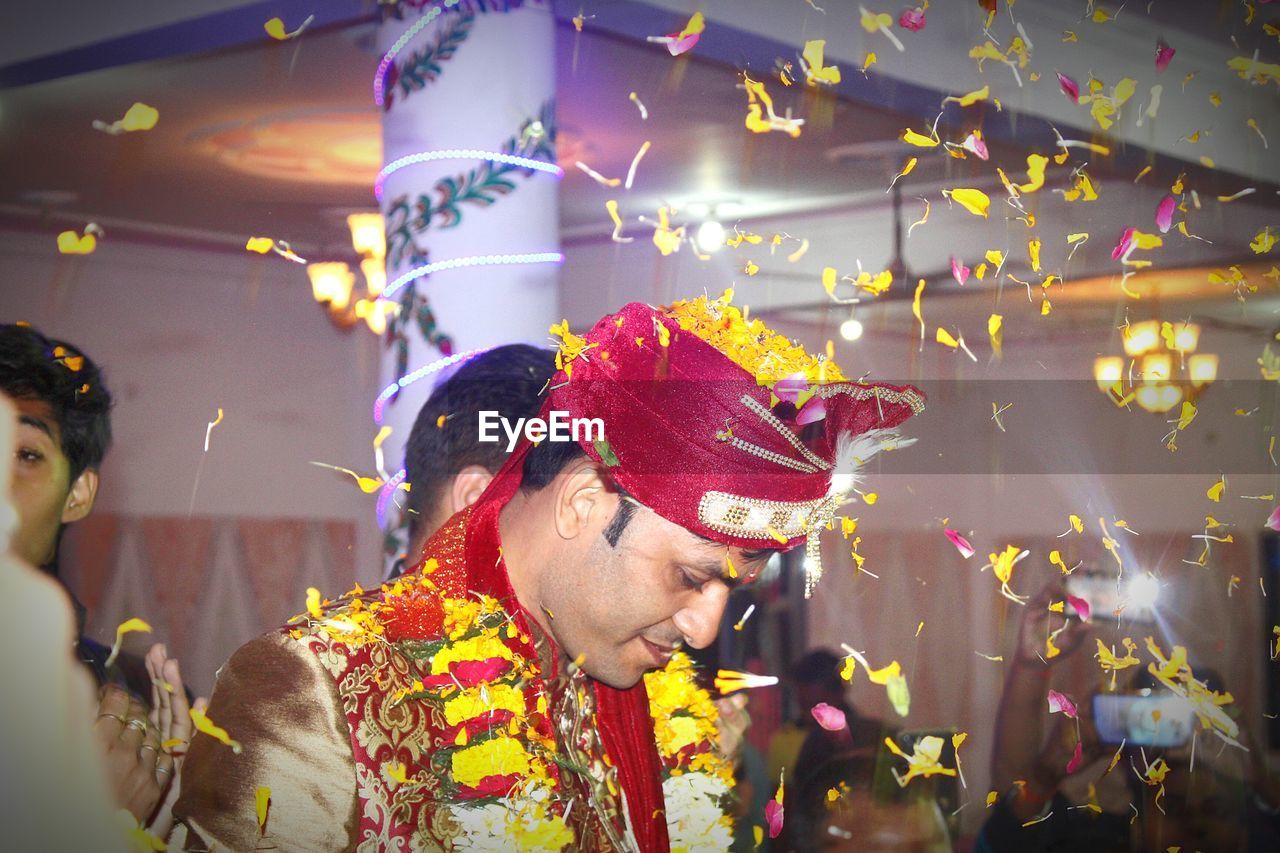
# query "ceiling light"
(710, 236)
(1143, 592)
(851, 329)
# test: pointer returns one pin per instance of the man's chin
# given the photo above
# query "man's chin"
(617, 677)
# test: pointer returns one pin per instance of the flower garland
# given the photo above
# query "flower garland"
(500, 773)
(750, 344)
(697, 780)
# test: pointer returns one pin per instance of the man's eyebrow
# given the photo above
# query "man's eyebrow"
(38, 423)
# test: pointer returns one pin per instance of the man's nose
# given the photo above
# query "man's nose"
(699, 622)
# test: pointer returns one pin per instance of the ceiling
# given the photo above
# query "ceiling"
(281, 138)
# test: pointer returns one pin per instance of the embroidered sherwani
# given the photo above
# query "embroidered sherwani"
(347, 761)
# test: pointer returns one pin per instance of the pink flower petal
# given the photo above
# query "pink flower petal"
(912, 19)
(959, 270)
(1164, 213)
(1077, 759)
(974, 143)
(1059, 702)
(773, 816)
(679, 45)
(789, 388)
(812, 411)
(1274, 521)
(1164, 55)
(1081, 607)
(831, 719)
(1069, 88)
(966, 550)
(1122, 248)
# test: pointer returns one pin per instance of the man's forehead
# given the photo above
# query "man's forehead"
(37, 414)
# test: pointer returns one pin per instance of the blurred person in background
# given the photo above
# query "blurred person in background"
(446, 465)
(851, 802)
(54, 783)
(62, 433)
(1202, 802)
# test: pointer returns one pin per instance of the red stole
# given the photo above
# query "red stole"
(626, 729)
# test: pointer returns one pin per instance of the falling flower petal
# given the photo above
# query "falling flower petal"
(1164, 213)
(1069, 88)
(275, 28)
(969, 99)
(920, 140)
(205, 725)
(1123, 247)
(138, 117)
(958, 270)
(811, 61)
(773, 816)
(812, 411)
(128, 626)
(1077, 758)
(880, 22)
(912, 19)
(262, 801)
(1215, 491)
(831, 719)
(1273, 520)
(923, 761)
(728, 681)
(1060, 703)
(974, 201)
(1164, 55)
(996, 333)
(974, 144)
(962, 544)
(71, 243)
(1080, 606)
(1263, 241)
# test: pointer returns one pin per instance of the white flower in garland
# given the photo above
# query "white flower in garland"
(520, 822)
(695, 818)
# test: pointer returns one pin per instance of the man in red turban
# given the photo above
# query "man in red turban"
(522, 686)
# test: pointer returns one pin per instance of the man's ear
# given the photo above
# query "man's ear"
(84, 490)
(582, 499)
(468, 484)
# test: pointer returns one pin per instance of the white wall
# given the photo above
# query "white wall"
(182, 332)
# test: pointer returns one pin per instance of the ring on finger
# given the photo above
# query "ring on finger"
(119, 719)
(151, 747)
(166, 770)
(137, 725)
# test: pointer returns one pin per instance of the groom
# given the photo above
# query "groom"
(497, 698)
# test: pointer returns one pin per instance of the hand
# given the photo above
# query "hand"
(170, 715)
(130, 747)
(734, 721)
(1038, 623)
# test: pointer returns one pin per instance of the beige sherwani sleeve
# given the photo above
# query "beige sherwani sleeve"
(277, 700)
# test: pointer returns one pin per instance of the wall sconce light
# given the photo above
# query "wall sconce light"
(333, 282)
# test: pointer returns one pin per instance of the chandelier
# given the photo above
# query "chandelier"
(1163, 367)
(333, 282)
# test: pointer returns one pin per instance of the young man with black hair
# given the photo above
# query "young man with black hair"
(446, 466)
(63, 432)
(523, 688)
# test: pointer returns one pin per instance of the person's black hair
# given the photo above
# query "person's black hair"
(35, 367)
(820, 666)
(507, 379)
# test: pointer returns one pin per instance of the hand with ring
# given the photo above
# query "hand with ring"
(130, 748)
(171, 717)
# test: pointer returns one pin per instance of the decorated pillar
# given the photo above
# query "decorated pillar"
(468, 190)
